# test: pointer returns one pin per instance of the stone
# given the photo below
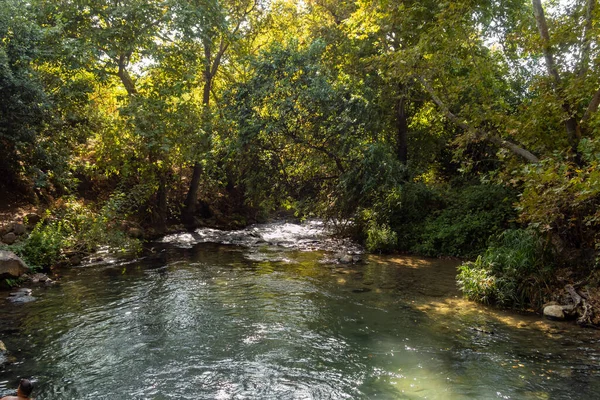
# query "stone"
(21, 299)
(346, 259)
(11, 264)
(3, 354)
(39, 277)
(554, 312)
(22, 292)
(32, 219)
(22, 295)
(19, 229)
(9, 238)
(75, 260)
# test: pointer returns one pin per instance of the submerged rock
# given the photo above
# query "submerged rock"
(22, 295)
(11, 264)
(3, 354)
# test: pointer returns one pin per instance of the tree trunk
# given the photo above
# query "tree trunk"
(571, 126)
(189, 210)
(161, 199)
(402, 131)
(125, 77)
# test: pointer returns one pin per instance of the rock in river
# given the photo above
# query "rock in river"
(22, 295)
(555, 312)
(11, 264)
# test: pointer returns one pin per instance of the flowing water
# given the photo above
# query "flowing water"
(269, 313)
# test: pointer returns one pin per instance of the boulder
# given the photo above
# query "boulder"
(9, 238)
(19, 229)
(555, 312)
(11, 264)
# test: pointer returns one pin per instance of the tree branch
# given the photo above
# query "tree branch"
(124, 75)
(573, 130)
(592, 108)
(542, 26)
(526, 154)
(587, 39)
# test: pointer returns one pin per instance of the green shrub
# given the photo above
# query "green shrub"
(380, 238)
(474, 213)
(73, 228)
(399, 212)
(562, 198)
(511, 273)
(44, 245)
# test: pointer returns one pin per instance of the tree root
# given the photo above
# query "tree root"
(581, 305)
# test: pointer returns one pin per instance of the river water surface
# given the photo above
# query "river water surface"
(269, 313)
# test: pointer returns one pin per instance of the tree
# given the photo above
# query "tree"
(213, 26)
(299, 128)
(25, 105)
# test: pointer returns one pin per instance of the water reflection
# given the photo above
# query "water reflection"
(206, 322)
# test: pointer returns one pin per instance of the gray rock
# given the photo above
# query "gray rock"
(39, 277)
(21, 299)
(9, 238)
(11, 264)
(555, 312)
(19, 229)
(346, 259)
(22, 292)
(23, 295)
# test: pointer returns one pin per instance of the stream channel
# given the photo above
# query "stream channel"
(269, 312)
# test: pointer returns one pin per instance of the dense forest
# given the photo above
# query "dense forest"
(444, 128)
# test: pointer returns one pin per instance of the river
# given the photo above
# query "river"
(270, 313)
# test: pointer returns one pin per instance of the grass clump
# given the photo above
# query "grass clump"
(512, 272)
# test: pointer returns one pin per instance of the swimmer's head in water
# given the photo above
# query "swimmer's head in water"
(26, 387)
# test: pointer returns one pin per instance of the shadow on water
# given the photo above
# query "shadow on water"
(270, 321)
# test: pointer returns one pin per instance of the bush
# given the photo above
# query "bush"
(511, 273)
(74, 228)
(562, 198)
(473, 214)
(398, 215)
(380, 238)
